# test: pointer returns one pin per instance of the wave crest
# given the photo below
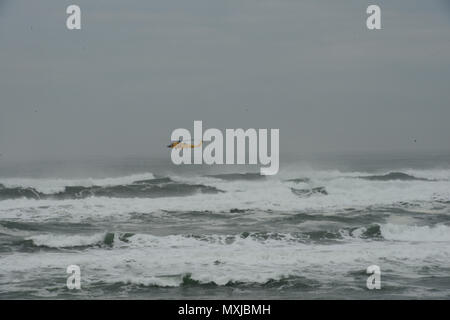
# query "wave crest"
(153, 188)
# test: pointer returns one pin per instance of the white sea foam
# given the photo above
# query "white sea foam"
(272, 193)
(398, 232)
(62, 241)
(163, 261)
(389, 232)
(269, 194)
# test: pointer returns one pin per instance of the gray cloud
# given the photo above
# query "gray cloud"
(137, 70)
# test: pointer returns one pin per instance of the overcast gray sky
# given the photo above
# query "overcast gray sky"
(139, 69)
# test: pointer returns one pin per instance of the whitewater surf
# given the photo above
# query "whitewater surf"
(304, 233)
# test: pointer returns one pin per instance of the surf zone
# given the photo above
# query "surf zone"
(241, 146)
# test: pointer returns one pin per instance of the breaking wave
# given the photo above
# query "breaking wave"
(398, 232)
(50, 186)
(378, 232)
(150, 188)
(298, 229)
(248, 258)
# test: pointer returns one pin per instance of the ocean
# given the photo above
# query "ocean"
(145, 229)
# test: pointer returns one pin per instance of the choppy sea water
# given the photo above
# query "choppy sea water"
(310, 232)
